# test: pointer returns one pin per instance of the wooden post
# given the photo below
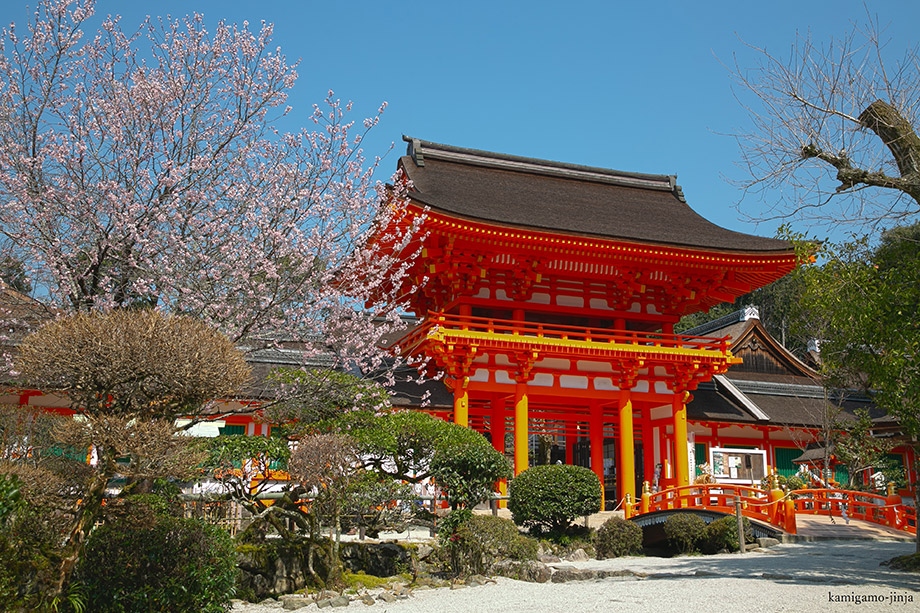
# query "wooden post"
(740, 523)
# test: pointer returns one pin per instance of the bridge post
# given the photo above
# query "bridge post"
(740, 523)
(789, 519)
(646, 497)
(893, 501)
(777, 509)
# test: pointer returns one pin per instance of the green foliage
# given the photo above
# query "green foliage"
(174, 565)
(684, 531)
(467, 467)
(865, 301)
(787, 484)
(401, 444)
(479, 541)
(313, 398)
(546, 499)
(617, 537)
(233, 450)
(723, 534)
(860, 450)
(368, 504)
(475, 542)
(10, 498)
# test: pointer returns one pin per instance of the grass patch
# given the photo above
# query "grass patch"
(909, 563)
(361, 580)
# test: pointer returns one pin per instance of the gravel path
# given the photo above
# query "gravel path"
(823, 576)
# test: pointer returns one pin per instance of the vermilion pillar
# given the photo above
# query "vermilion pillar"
(681, 461)
(626, 471)
(596, 437)
(461, 402)
(521, 432)
(498, 439)
(498, 424)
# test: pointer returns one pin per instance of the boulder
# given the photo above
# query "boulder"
(563, 575)
(534, 572)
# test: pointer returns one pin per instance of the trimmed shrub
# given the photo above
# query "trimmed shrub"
(482, 540)
(723, 534)
(617, 537)
(174, 565)
(546, 499)
(684, 531)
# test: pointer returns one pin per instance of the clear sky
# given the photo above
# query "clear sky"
(633, 86)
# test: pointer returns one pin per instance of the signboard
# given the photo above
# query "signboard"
(742, 466)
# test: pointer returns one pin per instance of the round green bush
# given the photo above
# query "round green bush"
(176, 564)
(684, 531)
(723, 534)
(617, 537)
(546, 499)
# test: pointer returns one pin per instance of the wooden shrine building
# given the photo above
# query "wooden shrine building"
(548, 297)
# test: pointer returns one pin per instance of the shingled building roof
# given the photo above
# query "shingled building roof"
(557, 197)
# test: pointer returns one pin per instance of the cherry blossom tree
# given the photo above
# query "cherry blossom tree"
(146, 167)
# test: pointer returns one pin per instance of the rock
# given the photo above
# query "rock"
(776, 576)
(268, 601)
(481, 579)
(457, 586)
(340, 601)
(324, 603)
(387, 596)
(534, 572)
(563, 575)
(624, 574)
(578, 555)
(292, 603)
(766, 541)
(549, 559)
(424, 551)
(367, 599)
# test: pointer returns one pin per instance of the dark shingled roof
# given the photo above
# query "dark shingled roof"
(558, 197)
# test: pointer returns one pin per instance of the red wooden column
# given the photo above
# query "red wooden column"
(648, 446)
(498, 439)
(498, 424)
(596, 437)
(681, 461)
(626, 471)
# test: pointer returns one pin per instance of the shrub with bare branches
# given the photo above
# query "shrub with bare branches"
(128, 374)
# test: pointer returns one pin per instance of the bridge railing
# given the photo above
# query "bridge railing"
(780, 508)
(769, 507)
(884, 510)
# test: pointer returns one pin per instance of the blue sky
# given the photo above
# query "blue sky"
(602, 83)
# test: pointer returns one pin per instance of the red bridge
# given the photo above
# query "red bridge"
(778, 508)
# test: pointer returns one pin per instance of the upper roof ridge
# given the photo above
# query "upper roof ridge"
(419, 149)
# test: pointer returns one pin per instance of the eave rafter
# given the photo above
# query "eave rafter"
(460, 257)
